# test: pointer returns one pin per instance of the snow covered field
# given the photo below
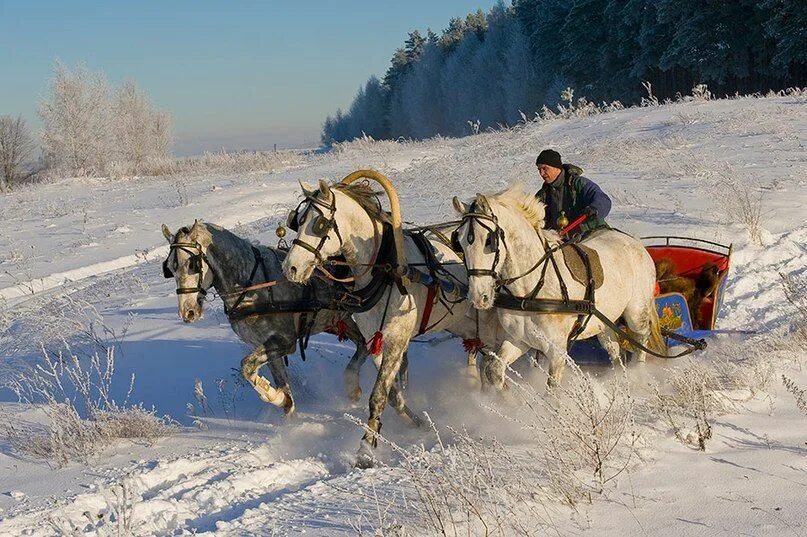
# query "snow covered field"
(80, 262)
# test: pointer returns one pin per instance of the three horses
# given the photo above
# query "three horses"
(503, 249)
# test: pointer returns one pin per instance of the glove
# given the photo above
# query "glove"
(590, 212)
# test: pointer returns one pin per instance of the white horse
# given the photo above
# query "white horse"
(504, 242)
(347, 220)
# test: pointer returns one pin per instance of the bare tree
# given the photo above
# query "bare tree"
(77, 131)
(141, 132)
(16, 146)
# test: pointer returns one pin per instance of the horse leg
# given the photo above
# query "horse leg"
(277, 366)
(388, 363)
(638, 320)
(250, 366)
(610, 342)
(350, 377)
(494, 365)
(472, 368)
(556, 352)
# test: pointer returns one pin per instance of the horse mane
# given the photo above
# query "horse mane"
(529, 206)
(362, 193)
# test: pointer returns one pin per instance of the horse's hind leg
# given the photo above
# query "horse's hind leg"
(250, 365)
(637, 317)
(350, 376)
(610, 342)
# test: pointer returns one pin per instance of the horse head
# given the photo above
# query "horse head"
(482, 242)
(187, 263)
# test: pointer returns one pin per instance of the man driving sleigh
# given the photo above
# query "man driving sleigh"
(569, 196)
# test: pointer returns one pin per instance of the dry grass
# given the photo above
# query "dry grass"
(81, 416)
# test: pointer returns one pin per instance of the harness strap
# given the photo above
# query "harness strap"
(256, 254)
(427, 309)
(584, 307)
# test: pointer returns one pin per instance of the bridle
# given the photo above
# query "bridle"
(321, 226)
(195, 260)
(493, 241)
(496, 237)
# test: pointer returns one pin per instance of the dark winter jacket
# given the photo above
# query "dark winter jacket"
(572, 193)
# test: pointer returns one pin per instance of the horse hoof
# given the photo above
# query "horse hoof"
(552, 383)
(364, 458)
(289, 408)
(354, 395)
(414, 421)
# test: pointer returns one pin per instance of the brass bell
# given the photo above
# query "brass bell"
(280, 231)
(562, 220)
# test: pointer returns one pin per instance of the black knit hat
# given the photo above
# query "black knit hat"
(549, 157)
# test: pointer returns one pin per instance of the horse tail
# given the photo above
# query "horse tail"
(656, 342)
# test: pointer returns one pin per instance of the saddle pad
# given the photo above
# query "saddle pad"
(574, 262)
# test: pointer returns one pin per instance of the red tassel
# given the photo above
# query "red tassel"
(472, 345)
(374, 345)
(339, 329)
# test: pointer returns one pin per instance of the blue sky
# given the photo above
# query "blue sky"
(233, 74)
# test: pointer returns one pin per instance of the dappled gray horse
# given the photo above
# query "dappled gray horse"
(258, 301)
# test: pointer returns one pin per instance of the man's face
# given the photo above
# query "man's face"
(548, 173)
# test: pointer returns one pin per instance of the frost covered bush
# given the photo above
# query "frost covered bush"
(795, 289)
(799, 393)
(696, 391)
(468, 486)
(81, 415)
(584, 430)
(225, 163)
(738, 200)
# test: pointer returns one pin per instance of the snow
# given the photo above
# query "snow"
(243, 470)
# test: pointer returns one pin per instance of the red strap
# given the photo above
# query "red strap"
(573, 225)
(427, 310)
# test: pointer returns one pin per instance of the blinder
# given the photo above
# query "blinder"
(455, 241)
(320, 226)
(195, 264)
(491, 242)
(291, 221)
(166, 269)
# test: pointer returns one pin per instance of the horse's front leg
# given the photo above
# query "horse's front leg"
(494, 365)
(250, 366)
(388, 362)
(277, 365)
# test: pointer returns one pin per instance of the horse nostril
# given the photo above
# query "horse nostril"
(190, 315)
(485, 299)
(293, 270)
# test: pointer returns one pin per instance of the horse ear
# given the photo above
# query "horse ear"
(308, 190)
(167, 233)
(325, 188)
(482, 203)
(459, 206)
